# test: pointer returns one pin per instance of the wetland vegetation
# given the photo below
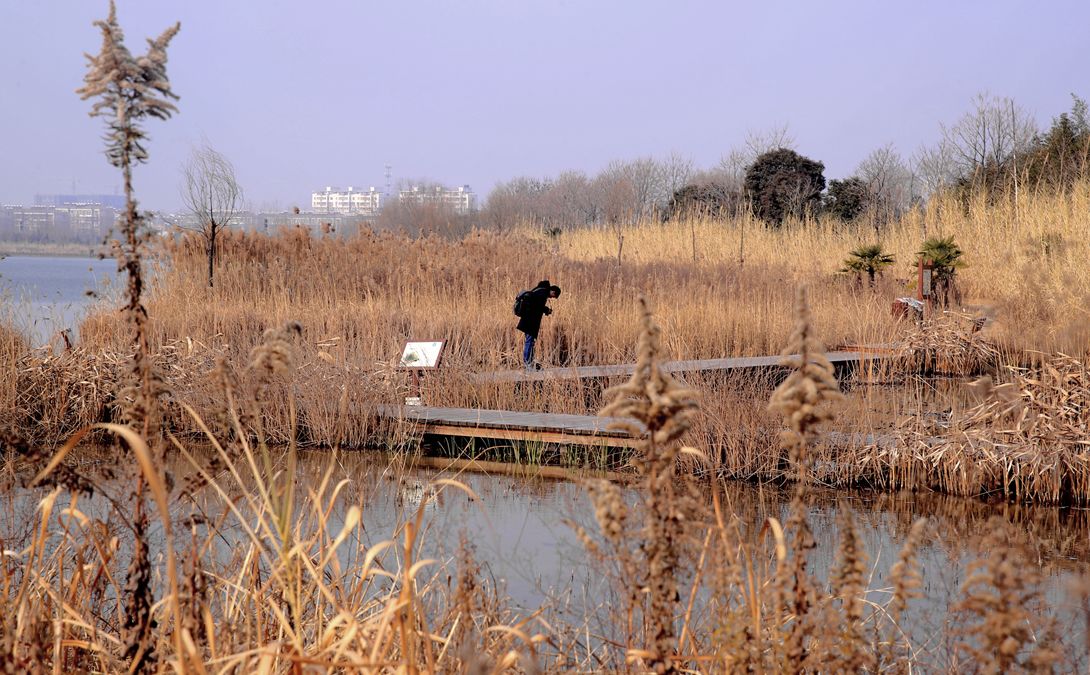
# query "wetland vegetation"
(192, 486)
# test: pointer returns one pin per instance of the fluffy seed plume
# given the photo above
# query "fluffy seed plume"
(811, 384)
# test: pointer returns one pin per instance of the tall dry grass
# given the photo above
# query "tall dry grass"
(268, 582)
(358, 300)
(361, 298)
(737, 606)
(1025, 261)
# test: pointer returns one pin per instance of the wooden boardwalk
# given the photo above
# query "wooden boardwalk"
(588, 430)
(525, 427)
(749, 363)
(508, 425)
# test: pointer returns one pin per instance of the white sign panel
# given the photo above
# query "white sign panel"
(421, 354)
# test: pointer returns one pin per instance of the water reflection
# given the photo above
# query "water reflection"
(517, 524)
(517, 527)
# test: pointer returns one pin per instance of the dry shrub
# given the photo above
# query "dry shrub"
(57, 394)
(947, 344)
(1026, 440)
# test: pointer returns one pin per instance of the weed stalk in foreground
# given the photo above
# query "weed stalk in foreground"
(802, 400)
(127, 90)
(660, 410)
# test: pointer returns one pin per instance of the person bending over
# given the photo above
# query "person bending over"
(533, 306)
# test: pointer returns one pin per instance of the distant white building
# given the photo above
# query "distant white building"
(335, 200)
(84, 222)
(461, 200)
(92, 219)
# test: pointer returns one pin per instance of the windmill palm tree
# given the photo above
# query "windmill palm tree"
(945, 258)
(869, 258)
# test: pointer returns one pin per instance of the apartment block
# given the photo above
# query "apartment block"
(350, 200)
(461, 200)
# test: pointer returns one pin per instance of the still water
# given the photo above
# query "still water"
(520, 528)
(519, 524)
(44, 295)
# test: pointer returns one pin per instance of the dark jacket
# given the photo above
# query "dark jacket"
(533, 308)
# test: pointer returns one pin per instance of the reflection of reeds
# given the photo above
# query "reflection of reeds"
(1003, 629)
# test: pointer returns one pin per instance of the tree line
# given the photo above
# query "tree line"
(995, 148)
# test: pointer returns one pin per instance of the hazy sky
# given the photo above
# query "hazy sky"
(300, 95)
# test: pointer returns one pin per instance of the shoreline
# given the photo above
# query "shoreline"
(11, 249)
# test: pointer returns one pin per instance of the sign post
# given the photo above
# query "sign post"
(416, 358)
(924, 287)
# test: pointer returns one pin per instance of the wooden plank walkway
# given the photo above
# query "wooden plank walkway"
(587, 429)
(512, 426)
(560, 429)
(752, 363)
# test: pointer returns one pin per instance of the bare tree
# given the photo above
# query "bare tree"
(651, 182)
(630, 188)
(935, 166)
(212, 194)
(889, 185)
(570, 201)
(755, 144)
(986, 139)
(514, 202)
(677, 171)
(616, 198)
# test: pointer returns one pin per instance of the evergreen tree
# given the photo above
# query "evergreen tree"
(848, 198)
(945, 258)
(782, 183)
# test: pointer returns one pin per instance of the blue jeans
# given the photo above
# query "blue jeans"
(528, 350)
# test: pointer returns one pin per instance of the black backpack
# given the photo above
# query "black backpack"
(520, 302)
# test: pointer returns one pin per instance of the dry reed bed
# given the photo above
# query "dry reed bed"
(335, 401)
(335, 404)
(1025, 259)
(266, 579)
(359, 300)
(369, 294)
(1028, 438)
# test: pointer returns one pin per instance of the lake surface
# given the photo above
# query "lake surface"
(44, 295)
(519, 526)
